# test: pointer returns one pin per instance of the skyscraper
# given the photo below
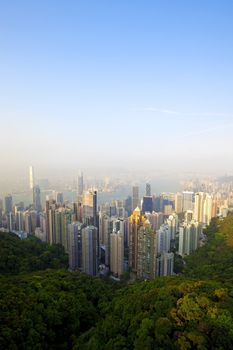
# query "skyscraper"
(95, 222)
(90, 207)
(147, 201)
(31, 177)
(163, 239)
(173, 225)
(19, 220)
(89, 251)
(142, 246)
(75, 245)
(135, 197)
(8, 204)
(147, 204)
(80, 185)
(117, 253)
(148, 190)
(156, 219)
(208, 212)
(165, 264)
(199, 206)
(189, 236)
(59, 197)
(203, 210)
(37, 199)
(187, 200)
(1, 212)
(178, 203)
(105, 229)
(146, 258)
(136, 220)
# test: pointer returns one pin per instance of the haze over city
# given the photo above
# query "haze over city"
(116, 85)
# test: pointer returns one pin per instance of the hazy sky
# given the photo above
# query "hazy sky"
(117, 83)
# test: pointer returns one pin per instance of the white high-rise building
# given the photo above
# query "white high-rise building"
(173, 224)
(189, 236)
(203, 208)
(163, 239)
(165, 264)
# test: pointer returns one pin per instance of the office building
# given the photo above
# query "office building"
(90, 208)
(75, 245)
(37, 199)
(8, 204)
(31, 177)
(135, 198)
(147, 205)
(59, 198)
(148, 190)
(80, 185)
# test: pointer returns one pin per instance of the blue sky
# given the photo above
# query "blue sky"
(115, 82)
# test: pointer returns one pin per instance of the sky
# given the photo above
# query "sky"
(121, 83)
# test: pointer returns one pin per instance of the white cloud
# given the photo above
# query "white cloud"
(165, 111)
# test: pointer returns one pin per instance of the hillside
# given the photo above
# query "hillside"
(56, 309)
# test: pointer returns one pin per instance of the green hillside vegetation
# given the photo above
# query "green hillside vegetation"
(215, 259)
(20, 256)
(57, 309)
(49, 309)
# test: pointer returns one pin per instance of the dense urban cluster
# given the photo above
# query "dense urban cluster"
(137, 238)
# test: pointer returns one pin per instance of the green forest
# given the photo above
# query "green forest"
(44, 306)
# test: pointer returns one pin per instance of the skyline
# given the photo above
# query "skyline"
(102, 85)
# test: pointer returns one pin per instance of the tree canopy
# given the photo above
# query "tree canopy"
(31, 254)
(43, 306)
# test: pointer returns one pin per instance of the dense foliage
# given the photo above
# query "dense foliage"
(215, 259)
(167, 313)
(17, 256)
(56, 309)
(49, 309)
